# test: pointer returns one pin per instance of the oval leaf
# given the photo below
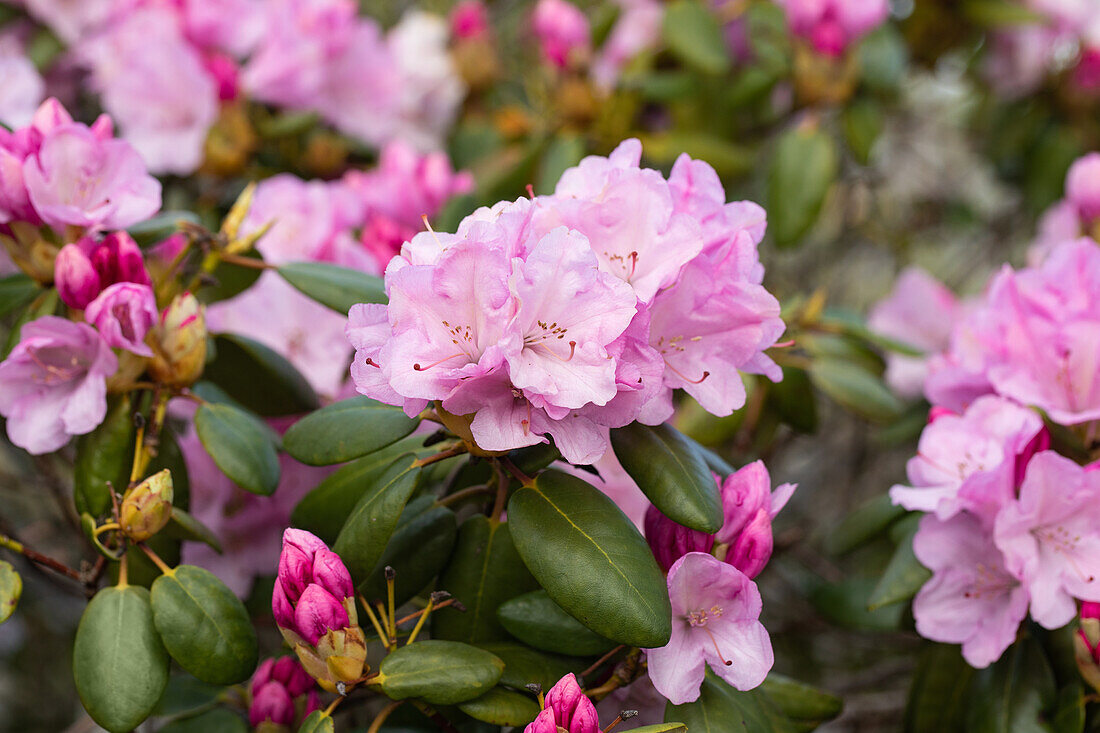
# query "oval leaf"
(119, 663)
(671, 472)
(523, 665)
(590, 559)
(15, 291)
(346, 430)
(691, 32)
(218, 720)
(484, 572)
(11, 588)
(317, 722)
(855, 388)
(536, 620)
(939, 694)
(500, 706)
(801, 702)
(337, 287)
(258, 378)
(439, 672)
(204, 626)
(721, 709)
(418, 551)
(660, 728)
(104, 455)
(240, 446)
(185, 527)
(804, 168)
(904, 575)
(372, 521)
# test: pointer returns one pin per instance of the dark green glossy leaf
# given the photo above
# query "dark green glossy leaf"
(800, 702)
(258, 378)
(324, 510)
(855, 388)
(863, 122)
(1069, 710)
(590, 559)
(793, 398)
(317, 722)
(339, 288)
(803, 169)
(218, 720)
(439, 672)
(142, 570)
(904, 575)
(721, 709)
(863, 524)
(940, 692)
(240, 445)
(119, 663)
(204, 625)
(845, 604)
(185, 693)
(670, 471)
(1014, 694)
(660, 728)
(185, 527)
(523, 665)
(346, 430)
(16, 291)
(372, 521)
(104, 455)
(44, 304)
(883, 57)
(169, 456)
(11, 588)
(418, 551)
(501, 706)
(484, 572)
(536, 620)
(534, 458)
(692, 33)
(228, 281)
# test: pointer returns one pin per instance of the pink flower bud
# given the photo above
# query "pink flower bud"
(936, 412)
(330, 573)
(562, 30)
(281, 607)
(752, 548)
(544, 723)
(262, 675)
(295, 571)
(226, 74)
(123, 314)
(671, 541)
(289, 672)
(469, 19)
(317, 612)
(1083, 186)
(118, 259)
(1038, 444)
(273, 703)
(743, 494)
(76, 278)
(572, 709)
(1090, 609)
(828, 38)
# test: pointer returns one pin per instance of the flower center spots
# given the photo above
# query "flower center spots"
(699, 618)
(672, 347)
(461, 336)
(990, 582)
(623, 265)
(1063, 542)
(545, 334)
(57, 365)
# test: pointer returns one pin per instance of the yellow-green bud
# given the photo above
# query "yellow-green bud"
(148, 507)
(179, 342)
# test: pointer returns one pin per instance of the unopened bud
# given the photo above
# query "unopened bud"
(670, 541)
(30, 250)
(179, 342)
(572, 709)
(148, 507)
(76, 278)
(1083, 186)
(1087, 644)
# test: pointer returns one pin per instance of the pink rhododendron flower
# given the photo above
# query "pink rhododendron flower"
(831, 26)
(123, 313)
(562, 31)
(715, 622)
(637, 30)
(1075, 215)
(1083, 186)
(313, 592)
(972, 598)
(1050, 536)
(85, 268)
(469, 19)
(274, 687)
(53, 385)
(71, 19)
(920, 312)
(969, 461)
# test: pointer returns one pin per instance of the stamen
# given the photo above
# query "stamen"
(531, 191)
(427, 224)
(572, 351)
(373, 363)
(419, 368)
(633, 263)
(685, 377)
(783, 344)
(717, 651)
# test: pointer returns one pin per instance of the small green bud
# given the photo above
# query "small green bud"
(148, 507)
(11, 587)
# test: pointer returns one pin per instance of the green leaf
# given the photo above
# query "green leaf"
(721, 709)
(864, 523)
(339, 288)
(185, 527)
(1069, 711)
(218, 720)
(418, 551)
(1000, 13)
(438, 672)
(800, 702)
(370, 524)
(692, 33)
(523, 665)
(119, 663)
(258, 378)
(161, 226)
(324, 510)
(535, 619)
(794, 400)
(346, 430)
(563, 152)
(940, 691)
(104, 455)
(11, 587)
(204, 625)
(803, 169)
(660, 728)
(863, 123)
(500, 706)
(16, 291)
(590, 559)
(670, 471)
(240, 446)
(855, 388)
(44, 304)
(904, 575)
(317, 722)
(228, 281)
(171, 457)
(185, 694)
(1013, 694)
(845, 604)
(883, 57)
(484, 572)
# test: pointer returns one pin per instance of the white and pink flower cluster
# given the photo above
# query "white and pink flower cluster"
(566, 315)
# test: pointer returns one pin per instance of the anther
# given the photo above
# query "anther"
(685, 377)
(419, 368)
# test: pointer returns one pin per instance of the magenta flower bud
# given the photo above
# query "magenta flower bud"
(1083, 186)
(272, 703)
(1090, 609)
(123, 314)
(295, 571)
(1038, 444)
(318, 612)
(828, 39)
(544, 723)
(118, 259)
(936, 412)
(562, 30)
(263, 674)
(289, 672)
(671, 541)
(76, 278)
(225, 73)
(330, 573)
(469, 19)
(313, 702)
(572, 709)
(743, 494)
(752, 548)
(281, 607)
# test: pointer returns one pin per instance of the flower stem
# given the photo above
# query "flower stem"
(376, 724)
(382, 636)
(155, 558)
(39, 559)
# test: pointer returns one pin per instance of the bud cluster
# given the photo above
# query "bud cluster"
(282, 693)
